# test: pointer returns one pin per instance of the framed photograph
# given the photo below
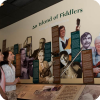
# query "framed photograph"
(24, 64)
(24, 44)
(29, 40)
(28, 44)
(3, 45)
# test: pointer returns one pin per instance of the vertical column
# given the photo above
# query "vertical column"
(55, 49)
(87, 63)
(47, 52)
(4, 45)
(15, 52)
(18, 65)
(75, 45)
(36, 71)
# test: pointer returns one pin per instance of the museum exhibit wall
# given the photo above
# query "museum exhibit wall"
(37, 26)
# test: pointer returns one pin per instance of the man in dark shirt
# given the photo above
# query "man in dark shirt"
(41, 46)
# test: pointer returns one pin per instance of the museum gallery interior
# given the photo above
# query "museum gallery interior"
(49, 50)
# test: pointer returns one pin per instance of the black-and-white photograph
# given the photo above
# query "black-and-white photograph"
(72, 71)
(30, 66)
(28, 44)
(42, 42)
(86, 39)
(25, 64)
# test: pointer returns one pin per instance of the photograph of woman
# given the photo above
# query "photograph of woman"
(9, 71)
(2, 79)
(45, 75)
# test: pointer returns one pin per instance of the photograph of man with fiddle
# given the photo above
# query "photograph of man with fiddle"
(45, 75)
(24, 64)
(96, 58)
(73, 71)
(64, 42)
(26, 70)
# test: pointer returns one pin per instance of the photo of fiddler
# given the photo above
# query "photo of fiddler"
(69, 69)
(45, 75)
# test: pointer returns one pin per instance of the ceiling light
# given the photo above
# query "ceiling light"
(1, 2)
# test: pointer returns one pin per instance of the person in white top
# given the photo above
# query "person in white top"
(63, 41)
(9, 71)
(2, 79)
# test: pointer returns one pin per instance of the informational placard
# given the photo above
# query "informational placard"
(18, 65)
(70, 92)
(56, 70)
(36, 71)
(75, 45)
(87, 64)
(47, 52)
(16, 47)
(55, 49)
(55, 39)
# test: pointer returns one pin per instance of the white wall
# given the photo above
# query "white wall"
(90, 22)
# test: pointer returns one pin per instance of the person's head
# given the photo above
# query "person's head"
(41, 56)
(78, 21)
(86, 40)
(1, 56)
(97, 43)
(64, 58)
(62, 31)
(42, 43)
(23, 53)
(8, 56)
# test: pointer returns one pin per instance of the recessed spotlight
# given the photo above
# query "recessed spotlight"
(1, 3)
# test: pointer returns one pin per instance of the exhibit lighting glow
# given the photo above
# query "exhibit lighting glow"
(1, 2)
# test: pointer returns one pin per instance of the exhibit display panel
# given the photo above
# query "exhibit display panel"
(58, 92)
(60, 44)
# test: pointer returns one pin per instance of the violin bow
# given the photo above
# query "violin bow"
(72, 61)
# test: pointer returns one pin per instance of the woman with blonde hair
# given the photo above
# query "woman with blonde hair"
(44, 77)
